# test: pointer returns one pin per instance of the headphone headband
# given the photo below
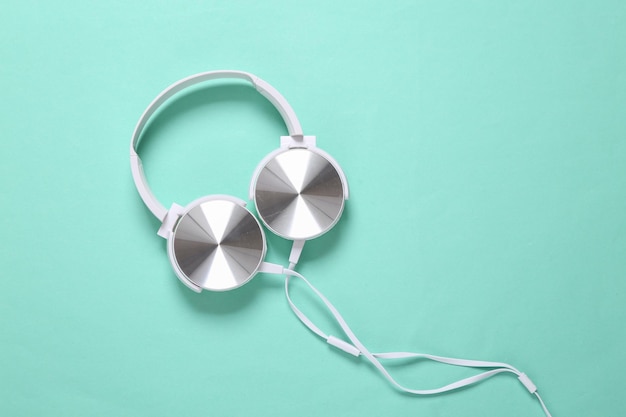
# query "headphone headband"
(263, 87)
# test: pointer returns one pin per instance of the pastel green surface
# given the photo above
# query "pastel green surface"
(485, 146)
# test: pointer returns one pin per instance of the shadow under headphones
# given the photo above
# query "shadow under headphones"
(215, 243)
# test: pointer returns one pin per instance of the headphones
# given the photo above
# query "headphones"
(215, 243)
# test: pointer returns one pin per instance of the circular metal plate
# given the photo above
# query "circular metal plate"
(218, 245)
(299, 194)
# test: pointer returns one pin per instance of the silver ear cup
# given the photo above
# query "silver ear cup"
(299, 194)
(218, 245)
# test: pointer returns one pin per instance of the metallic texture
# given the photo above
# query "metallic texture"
(218, 245)
(299, 194)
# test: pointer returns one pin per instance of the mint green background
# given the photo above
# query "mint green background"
(485, 145)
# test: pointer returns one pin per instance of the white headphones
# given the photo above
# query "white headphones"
(215, 243)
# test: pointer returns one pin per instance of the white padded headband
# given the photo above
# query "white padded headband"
(269, 92)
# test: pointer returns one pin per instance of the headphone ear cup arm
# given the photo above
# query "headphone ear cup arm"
(171, 217)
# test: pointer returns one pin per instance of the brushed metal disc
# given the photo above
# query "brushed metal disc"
(299, 194)
(218, 245)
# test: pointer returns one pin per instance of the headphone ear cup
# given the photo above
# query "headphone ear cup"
(299, 193)
(217, 244)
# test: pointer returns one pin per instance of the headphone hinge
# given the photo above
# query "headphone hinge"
(297, 141)
(171, 217)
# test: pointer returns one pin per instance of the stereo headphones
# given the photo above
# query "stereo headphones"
(215, 243)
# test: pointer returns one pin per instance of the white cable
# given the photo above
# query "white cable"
(356, 348)
(543, 405)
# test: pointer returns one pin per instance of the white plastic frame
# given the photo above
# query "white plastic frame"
(269, 92)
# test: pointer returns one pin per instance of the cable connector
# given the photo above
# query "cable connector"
(345, 346)
(270, 268)
(532, 388)
(296, 251)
